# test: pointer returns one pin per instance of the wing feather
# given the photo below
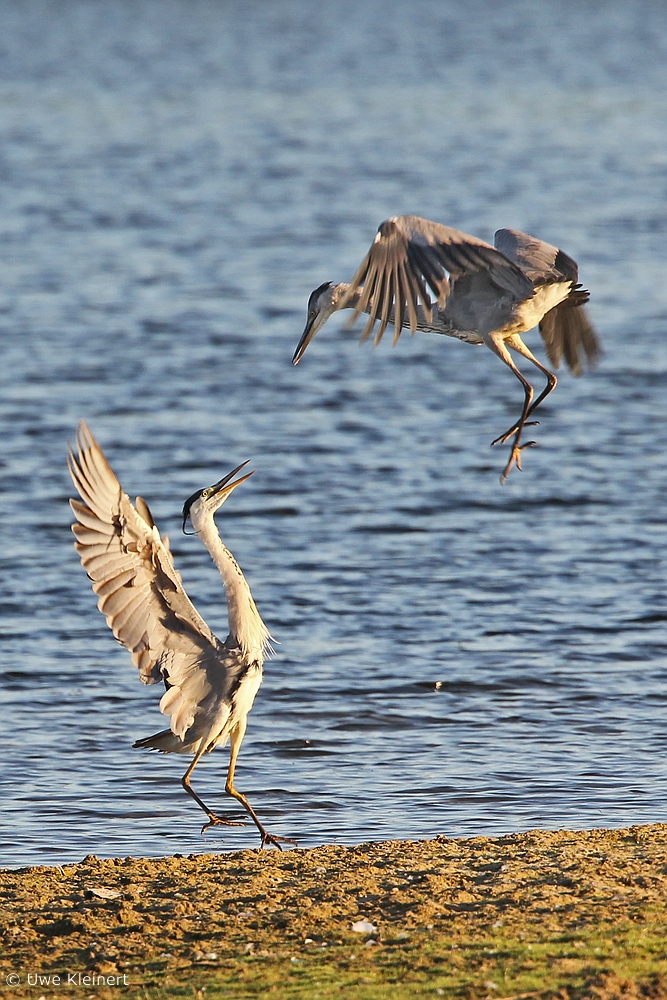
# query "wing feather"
(145, 604)
(134, 628)
(95, 481)
(116, 601)
(411, 294)
(90, 536)
(369, 295)
(399, 310)
(132, 571)
(380, 280)
(84, 517)
(101, 565)
(541, 261)
(119, 579)
(409, 256)
(390, 293)
(426, 271)
(414, 266)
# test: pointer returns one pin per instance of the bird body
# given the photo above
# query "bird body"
(458, 319)
(484, 295)
(222, 711)
(210, 685)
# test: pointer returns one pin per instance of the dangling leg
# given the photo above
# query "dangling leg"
(517, 344)
(213, 820)
(235, 740)
(497, 345)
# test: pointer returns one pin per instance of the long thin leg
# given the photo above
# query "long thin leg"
(517, 344)
(213, 820)
(497, 345)
(235, 740)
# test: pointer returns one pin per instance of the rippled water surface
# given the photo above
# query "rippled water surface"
(455, 657)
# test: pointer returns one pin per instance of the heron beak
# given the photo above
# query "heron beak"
(219, 492)
(312, 326)
(222, 489)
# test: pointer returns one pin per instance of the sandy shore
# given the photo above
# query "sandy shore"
(568, 914)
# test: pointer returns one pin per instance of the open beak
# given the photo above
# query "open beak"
(223, 488)
(311, 329)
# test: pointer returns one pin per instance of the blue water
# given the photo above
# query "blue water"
(455, 656)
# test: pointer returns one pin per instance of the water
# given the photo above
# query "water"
(455, 657)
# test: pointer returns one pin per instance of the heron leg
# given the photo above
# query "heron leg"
(235, 740)
(517, 344)
(213, 820)
(497, 345)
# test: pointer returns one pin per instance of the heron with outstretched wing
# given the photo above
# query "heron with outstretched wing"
(210, 685)
(483, 295)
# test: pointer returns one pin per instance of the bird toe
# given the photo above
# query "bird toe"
(214, 820)
(515, 459)
(269, 839)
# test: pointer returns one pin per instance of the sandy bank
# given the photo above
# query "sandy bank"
(437, 908)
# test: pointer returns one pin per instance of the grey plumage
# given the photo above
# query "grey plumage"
(565, 329)
(210, 685)
(423, 275)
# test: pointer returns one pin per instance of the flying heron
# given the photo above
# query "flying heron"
(210, 685)
(485, 295)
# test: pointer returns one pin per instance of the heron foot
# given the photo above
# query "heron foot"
(515, 459)
(514, 430)
(269, 839)
(214, 820)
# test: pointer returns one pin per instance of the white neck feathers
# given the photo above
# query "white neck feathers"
(246, 628)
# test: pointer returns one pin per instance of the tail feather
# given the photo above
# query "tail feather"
(167, 742)
(567, 331)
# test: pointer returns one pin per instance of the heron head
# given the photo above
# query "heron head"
(204, 503)
(321, 304)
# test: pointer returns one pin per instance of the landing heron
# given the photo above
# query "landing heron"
(210, 685)
(485, 295)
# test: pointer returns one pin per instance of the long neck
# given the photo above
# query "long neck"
(246, 628)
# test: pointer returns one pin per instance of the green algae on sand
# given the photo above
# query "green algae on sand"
(541, 914)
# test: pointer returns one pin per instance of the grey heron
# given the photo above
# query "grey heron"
(210, 685)
(485, 295)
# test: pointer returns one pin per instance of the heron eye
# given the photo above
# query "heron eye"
(205, 494)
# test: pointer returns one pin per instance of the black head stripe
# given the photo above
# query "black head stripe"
(314, 296)
(188, 504)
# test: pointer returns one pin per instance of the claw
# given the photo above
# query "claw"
(271, 838)
(214, 820)
(513, 430)
(515, 459)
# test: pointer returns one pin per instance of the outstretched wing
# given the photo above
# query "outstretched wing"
(542, 262)
(138, 588)
(409, 256)
(566, 329)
